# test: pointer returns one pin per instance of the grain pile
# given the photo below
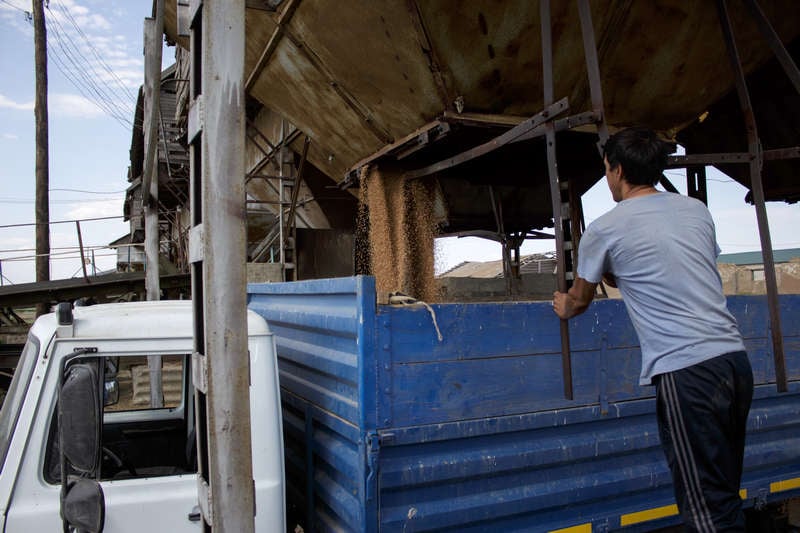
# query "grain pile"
(401, 226)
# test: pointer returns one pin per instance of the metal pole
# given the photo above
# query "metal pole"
(555, 189)
(756, 185)
(153, 30)
(80, 246)
(282, 199)
(42, 151)
(593, 68)
(228, 488)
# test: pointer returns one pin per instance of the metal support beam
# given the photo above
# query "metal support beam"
(664, 181)
(757, 187)
(271, 155)
(593, 69)
(682, 161)
(153, 32)
(550, 111)
(218, 254)
(298, 181)
(555, 190)
(272, 44)
(774, 40)
(80, 246)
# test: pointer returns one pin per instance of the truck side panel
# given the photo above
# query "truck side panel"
(324, 331)
(471, 433)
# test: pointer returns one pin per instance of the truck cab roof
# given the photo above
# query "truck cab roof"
(155, 319)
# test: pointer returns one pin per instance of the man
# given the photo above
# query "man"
(660, 250)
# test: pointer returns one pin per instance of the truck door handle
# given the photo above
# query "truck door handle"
(194, 516)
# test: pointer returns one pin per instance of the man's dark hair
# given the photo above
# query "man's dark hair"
(641, 153)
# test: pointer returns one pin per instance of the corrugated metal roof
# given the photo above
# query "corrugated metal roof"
(754, 258)
(529, 264)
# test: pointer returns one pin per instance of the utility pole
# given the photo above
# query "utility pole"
(42, 151)
(153, 34)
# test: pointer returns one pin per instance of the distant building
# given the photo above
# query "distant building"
(743, 273)
(528, 264)
(483, 281)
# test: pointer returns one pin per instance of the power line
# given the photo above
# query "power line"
(83, 74)
(64, 69)
(80, 61)
(30, 200)
(89, 192)
(27, 13)
(69, 221)
(100, 59)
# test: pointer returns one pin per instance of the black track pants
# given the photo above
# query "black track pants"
(702, 417)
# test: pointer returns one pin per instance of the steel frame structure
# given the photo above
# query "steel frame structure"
(217, 182)
(567, 209)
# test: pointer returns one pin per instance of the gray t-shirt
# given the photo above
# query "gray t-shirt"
(662, 250)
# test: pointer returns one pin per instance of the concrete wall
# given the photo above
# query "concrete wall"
(735, 280)
(749, 279)
(533, 287)
(264, 272)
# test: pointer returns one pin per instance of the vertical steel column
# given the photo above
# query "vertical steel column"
(555, 188)
(593, 68)
(756, 185)
(696, 184)
(218, 255)
(281, 201)
(153, 31)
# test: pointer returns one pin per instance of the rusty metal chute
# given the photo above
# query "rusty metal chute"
(359, 75)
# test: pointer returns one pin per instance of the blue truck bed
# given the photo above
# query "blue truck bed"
(388, 428)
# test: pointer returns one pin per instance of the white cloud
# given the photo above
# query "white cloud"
(85, 18)
(10, 136)
(73, 105)
(9, 103)
(109, 208)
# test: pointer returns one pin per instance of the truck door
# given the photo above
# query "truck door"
(145, 469)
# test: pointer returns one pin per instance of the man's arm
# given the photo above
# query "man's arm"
(576, 300)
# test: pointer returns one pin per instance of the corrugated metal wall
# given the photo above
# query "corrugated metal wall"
(325, 361)
(471, 433)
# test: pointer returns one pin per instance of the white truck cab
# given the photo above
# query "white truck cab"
(78, 410)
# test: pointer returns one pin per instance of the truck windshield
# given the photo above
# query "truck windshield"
(16, 393)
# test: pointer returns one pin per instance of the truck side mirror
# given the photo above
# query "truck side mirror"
(83, 505)
(80, 412)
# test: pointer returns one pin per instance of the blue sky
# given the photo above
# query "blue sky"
(89, 147)
(735, 221)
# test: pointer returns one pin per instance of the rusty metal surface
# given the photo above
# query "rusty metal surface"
(351, 73)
